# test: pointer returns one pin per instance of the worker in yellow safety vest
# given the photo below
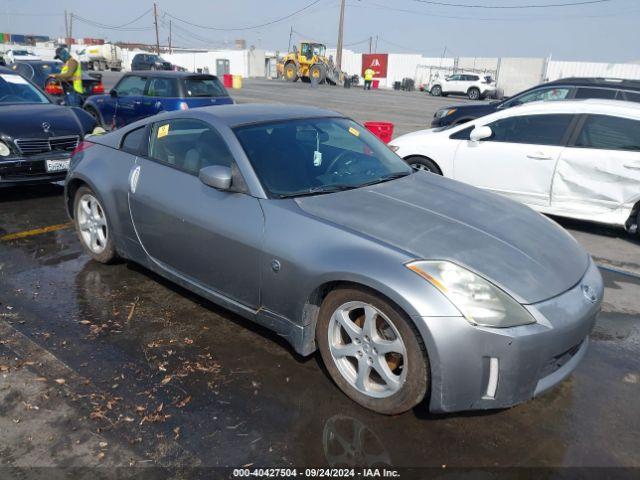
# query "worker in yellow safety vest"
(71, 77)
(368, 78)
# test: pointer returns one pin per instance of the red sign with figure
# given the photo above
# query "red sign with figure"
(376, 62)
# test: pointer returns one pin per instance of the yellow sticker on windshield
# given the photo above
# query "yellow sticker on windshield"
(163, 131)
(353, 131)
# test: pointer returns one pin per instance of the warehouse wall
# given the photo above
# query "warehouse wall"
(557, 69)
(517, 74)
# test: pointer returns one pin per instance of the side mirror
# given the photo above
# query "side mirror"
(216, 176)
(113, 93)
(480, 133)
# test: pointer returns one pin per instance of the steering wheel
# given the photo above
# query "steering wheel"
(11, 97)
(341, 161)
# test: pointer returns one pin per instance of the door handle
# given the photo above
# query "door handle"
(632, 166)
(539, 156)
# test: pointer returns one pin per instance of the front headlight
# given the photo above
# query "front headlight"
(481, 302)
(445, 112)
(4, 150)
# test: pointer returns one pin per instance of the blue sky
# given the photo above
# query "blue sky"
(605, 32)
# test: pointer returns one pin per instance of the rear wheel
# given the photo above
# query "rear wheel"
(436, 90)
(473, 93)
(424, 164)
(372, 351)
(93, 226)
(93, 112)
(291, 72)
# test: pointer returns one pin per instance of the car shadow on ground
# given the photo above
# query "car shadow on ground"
(29, 192)
(598, 229)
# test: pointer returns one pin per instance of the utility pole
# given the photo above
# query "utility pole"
(340, 34)
(155, 22)
(71, 25)
(290, 35)
(66, 26)
(170, 37)
(370, 42)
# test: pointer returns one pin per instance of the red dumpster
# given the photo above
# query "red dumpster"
(227, 80)
(375, 84)
(382, 130)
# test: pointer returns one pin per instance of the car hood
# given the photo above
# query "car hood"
(431, 217)
(25, 121)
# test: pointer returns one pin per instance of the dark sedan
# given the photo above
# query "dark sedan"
(38, 72)
(564, 89)
(36, 135)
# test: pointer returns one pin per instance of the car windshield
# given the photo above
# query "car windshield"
(317, 155)
(15, 89)
(204, 87)
(47, 68)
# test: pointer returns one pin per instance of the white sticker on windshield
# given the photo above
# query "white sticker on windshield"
(317, 158)
(13, 79)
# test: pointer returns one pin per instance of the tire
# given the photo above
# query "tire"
(436, 91)
(92, 224)
(291, 72)
(318, 71)
(473, 93)
(405, 378)
(93, 112)
(424, 164)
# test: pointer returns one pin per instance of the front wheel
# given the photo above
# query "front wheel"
(93, 226)
(372, 351)
(291, 72)
(424, 164)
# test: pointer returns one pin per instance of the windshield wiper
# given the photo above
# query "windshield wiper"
(385, 178)
(319, 190)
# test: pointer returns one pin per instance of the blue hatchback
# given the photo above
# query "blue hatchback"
(142, 94)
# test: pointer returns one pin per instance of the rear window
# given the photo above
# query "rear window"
(204, 87)
(606, 93)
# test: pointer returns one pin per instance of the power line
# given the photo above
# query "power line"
(506, 7)
(315, 2)
(123, 27)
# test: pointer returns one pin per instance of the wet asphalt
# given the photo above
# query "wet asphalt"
(112, 365)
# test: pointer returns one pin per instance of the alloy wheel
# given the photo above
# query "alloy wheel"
(367, 349)
(420, 166)
(92, 222)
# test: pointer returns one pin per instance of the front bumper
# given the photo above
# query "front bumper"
(30, 170)
(475, 368)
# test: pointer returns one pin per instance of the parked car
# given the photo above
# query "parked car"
(577, 158)
(16, 55)
(476, 87)
(149, 61)
(564, 89)
(36, 135)
(303, 221)
(38, 72)
(142, 94)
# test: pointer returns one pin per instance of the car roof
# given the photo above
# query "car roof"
(36, 62)
(589, 105)
(167, 73)
(251, 113)
(597, 82)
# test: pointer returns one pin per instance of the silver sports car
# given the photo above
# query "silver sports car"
(409, 284)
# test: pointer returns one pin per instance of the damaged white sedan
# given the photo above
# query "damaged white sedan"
(577, 158)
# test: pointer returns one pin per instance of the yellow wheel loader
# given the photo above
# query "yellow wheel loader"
(310, 62)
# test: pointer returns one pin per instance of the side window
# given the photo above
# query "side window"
(162, 87)
(473, 78)
(132, 141)
(24, 70)
(540, 95)
(609, 133)
(531, 129)
(454, 78)
(462, 134)
(188, 145)
(629, 96)
(133, 85)
(583, 92)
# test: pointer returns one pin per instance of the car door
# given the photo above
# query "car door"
(128, 101)
(209, 237)
(600, 169)
(452, 84)
(161, 94)
(519, 158)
